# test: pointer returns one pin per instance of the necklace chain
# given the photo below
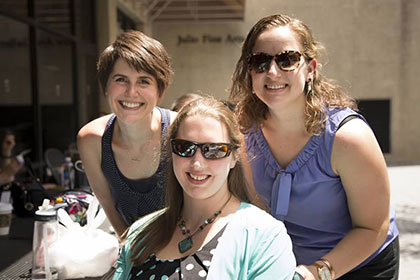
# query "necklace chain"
(187, 243)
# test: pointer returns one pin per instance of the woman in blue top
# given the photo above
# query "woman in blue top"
(121, 152)
(325, 179)
(207, 230)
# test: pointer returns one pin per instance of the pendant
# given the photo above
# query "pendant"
(185, 245)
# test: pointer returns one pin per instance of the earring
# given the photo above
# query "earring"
(309, 84)
(253, 92)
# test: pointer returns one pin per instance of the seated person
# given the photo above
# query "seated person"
(207, 229)
(9, 164)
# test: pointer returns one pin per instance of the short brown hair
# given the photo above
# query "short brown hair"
(141, 52)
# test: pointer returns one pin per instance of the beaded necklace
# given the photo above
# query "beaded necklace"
(187, 243)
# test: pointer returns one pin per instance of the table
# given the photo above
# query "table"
(19, 270)
(16, 251)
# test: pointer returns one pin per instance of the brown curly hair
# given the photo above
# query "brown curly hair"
(325, 93)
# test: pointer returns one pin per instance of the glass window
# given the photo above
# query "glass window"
(55, 70)
(85, 21)
(18, 7)
(15, 76)
(55, 14)
(124, 22)
(55, 77)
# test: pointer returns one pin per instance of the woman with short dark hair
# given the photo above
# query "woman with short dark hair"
(121, 152)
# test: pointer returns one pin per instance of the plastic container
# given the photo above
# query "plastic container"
(67, 174)
(45, 236)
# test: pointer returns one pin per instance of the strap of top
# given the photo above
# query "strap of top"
(134, 198)
(346, 119)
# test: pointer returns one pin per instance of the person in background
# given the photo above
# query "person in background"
(312, 159)
(207, 229)
(183, 100)
(121, 152)
(9, 165)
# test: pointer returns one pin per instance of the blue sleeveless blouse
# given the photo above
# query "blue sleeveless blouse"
(134, 198)
(307, 196)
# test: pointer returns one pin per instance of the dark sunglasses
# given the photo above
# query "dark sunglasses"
(286, 61)
(184, 148)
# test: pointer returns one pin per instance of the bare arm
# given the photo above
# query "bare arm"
(358, 160)
(89, 146)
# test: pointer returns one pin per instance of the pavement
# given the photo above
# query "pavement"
(405, 197)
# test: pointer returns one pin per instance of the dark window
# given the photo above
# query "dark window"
(378, 114)
(58, 129)
(124, 22)
(47, 70)
(18, 7)
(55, 14)
(84, 20)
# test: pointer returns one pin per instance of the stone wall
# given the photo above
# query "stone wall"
(371, 51)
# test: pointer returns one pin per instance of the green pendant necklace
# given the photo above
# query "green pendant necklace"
(187, 243)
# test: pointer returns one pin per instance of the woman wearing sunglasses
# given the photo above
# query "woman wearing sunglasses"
(121, 152)
(207, 230)
(313, 160)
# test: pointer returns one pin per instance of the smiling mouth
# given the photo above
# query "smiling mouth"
(198, 177)
(276, 86)
(130, 105)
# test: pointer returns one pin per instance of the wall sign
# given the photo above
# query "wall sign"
(209, 39)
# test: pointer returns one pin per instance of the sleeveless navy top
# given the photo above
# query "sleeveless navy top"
(134, 198)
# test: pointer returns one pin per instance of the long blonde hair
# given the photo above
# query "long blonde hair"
(157, 233)
(325, 92)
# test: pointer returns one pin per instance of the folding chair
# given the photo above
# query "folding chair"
(54, 158)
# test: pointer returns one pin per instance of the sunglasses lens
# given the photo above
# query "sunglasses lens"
(186, 148)
(260, 62)
(183, 148)
(214, 150)
(288, 61)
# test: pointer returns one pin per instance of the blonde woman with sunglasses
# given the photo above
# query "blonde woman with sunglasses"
(311, 159)
(207, 229)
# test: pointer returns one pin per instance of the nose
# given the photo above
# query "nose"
(131, 90)
(273, 70)
(197, 160)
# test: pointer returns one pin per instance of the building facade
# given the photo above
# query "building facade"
(49, 48)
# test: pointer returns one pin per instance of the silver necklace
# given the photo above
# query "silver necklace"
(187, 243)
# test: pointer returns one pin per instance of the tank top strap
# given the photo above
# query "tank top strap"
(107, 136)
(166, 119)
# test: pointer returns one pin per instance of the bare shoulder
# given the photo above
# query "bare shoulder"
(90, 134)
(354, 142)
(93, 128)
(352, 133)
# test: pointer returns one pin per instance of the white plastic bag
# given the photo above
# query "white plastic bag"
(84, 251)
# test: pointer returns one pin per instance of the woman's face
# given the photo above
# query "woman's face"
(277, 88)
(199, 177)
(131, 95)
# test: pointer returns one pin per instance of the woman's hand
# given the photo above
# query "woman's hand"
(308, 272)
(7, 174)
